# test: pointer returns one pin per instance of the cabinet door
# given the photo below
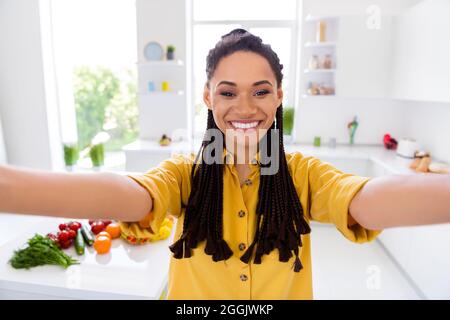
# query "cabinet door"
(363, 57)
(429, 260)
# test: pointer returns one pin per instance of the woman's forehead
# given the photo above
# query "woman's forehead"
(243, 68)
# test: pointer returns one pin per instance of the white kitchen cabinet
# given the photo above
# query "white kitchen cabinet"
(364, 57)
(429, 260)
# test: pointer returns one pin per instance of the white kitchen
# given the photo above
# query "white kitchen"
(117, 86)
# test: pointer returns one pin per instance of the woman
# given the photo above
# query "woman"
(243, 230)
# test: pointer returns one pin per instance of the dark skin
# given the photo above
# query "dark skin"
(250, 94)
(384, 202)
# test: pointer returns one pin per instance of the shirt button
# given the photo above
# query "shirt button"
(243, 277)
(248, 182)
(241, 214)
(242, 246)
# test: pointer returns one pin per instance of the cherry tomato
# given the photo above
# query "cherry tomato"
(72, 233)
(52, 237)
(75, 226)
(62, 226)
(91, 222)
(65, 244)
(106, 222)
(63, 236)
(97, 227)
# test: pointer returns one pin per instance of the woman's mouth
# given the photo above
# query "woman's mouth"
(245, 125)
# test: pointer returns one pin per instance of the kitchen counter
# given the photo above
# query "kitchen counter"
(140, 272)
(126, 272)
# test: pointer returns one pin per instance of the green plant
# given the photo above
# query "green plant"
(97, 155)
(170, 48)
(288, 120)
(71, 154)
(106, 100)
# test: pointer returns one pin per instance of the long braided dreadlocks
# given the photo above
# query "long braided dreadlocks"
(279, 212)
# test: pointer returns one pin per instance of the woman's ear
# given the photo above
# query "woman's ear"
(207, 97)
(280, 95)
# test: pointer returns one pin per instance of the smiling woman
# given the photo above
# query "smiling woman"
(242, 233)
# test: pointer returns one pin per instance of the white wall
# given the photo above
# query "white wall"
(428, 123)
(328, 117)
(163, 21)
(25, 105)
(421, 68)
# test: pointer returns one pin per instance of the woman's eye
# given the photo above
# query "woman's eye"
(261, 92)
(226, 94)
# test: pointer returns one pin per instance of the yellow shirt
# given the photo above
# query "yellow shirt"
(324, 192)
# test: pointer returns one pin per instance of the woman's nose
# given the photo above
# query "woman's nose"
(245, 107)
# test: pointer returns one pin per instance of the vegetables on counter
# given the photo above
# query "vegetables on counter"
(88, 236)
(102, 244)
(114, 230)
(98, 226)
(40, 251)
(79, 243)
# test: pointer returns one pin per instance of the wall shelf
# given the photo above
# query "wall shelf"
(320, 71)
(319, 44)
(161, 63)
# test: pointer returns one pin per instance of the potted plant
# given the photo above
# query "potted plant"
(97, 150)
(288, 120)
(170, 52)
(71, 155)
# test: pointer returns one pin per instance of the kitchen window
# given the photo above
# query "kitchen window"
(95, 52)
(275, 24)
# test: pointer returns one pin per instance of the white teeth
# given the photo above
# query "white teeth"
(241, 125)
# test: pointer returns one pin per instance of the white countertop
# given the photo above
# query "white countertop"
(133, 272)
(126, 272)
(387, 159)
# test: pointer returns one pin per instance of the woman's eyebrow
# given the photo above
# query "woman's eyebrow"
(234, 84)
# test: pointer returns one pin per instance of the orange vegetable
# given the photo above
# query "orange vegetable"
(102, 244)
(104, 233)
(113, 229)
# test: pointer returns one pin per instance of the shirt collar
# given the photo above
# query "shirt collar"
(229, 158)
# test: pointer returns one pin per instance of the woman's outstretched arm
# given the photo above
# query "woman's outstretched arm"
(402, 200)
(74, 195)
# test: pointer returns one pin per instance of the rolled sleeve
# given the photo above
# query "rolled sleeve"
(331, 194)
(167, 185)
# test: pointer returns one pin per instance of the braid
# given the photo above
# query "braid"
(280, 221)
(204, 212)
(279, 208)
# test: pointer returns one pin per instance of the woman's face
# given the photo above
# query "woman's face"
(243, 96)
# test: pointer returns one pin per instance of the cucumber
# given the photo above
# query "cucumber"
(79, 243)
(87, 235)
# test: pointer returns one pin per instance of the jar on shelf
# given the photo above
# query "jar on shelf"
(327, 62)
(314, 62)
(321, 31)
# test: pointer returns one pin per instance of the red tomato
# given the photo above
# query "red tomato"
(72, 233)
(91, 222)
(65, 244)
(62, 226)
(63, 236)
(74, 226)
(52, 237)
(106, 222)
(97, 227)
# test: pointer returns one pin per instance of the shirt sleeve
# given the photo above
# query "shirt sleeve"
(167, 185)
(331, 192)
